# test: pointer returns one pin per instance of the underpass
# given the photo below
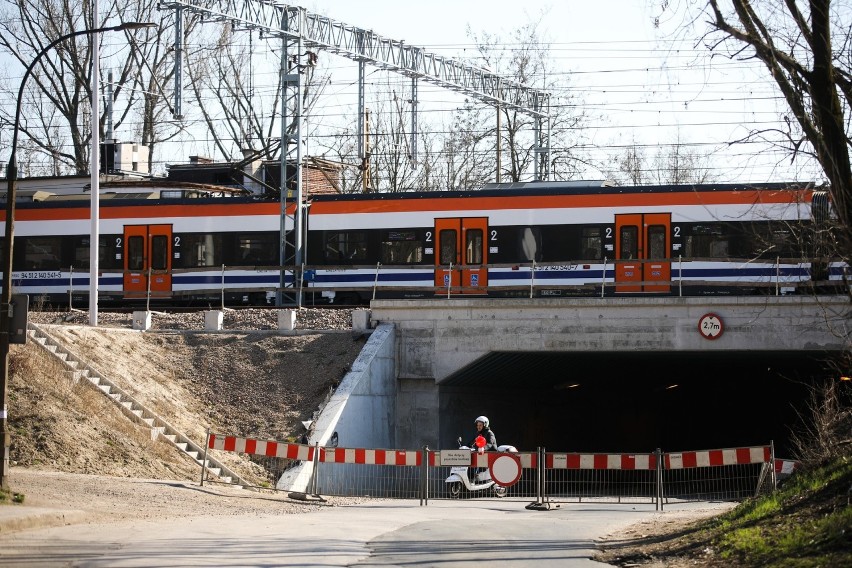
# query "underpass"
(613, 374)
(633, 402)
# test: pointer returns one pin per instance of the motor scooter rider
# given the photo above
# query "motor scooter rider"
(483, 429)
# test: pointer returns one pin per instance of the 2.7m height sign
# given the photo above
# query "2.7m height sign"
(710, 326)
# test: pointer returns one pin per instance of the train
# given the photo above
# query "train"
(535, 239)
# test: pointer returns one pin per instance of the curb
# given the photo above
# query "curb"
(16, 518)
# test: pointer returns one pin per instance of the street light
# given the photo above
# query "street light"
(11, 177)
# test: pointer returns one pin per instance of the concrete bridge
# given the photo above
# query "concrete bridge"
(597, 374)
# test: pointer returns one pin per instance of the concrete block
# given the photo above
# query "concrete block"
(360, 320)
(287, 320)
(213, 320)
(142, 320)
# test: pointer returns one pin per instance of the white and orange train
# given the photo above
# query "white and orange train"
(540, 239)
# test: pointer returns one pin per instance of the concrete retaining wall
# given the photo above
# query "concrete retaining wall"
(438, 337)
(361, 410)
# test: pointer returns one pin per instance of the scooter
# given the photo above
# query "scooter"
(459, 479)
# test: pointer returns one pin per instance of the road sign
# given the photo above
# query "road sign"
(505, 469)
(710, 326)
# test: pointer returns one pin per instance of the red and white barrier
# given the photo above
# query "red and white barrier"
(269, 448)
(710, 458)
(679, 460)
(601, 461)
(372, 457)
(786, 467)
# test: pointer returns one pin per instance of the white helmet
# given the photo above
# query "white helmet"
(483, 419)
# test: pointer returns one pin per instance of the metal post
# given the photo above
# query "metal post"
(223, 287)
(539, 476)
(680, 275)
(659, 485)
(449, 279)
(95, 173)
(424, 478)
(204, 461)
(70, 287)
(532, 279)
(315, 473)
(603, 278)
(148, 292)
(772, 464)
(376, 281)
(778, 276)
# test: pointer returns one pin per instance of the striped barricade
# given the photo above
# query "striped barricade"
(731, 473)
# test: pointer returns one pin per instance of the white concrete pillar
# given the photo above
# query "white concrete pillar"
(142, 320)
(287, 320)
(360, 319)
(213, 320)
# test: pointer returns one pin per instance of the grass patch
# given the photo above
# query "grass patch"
(7, 497)
(808, 522)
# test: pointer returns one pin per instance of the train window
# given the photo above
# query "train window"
(43, 253)
(258, 249)
(401, 247)
(201, 250)
(106, 253)
(590, 243)
(135, 253)
(629, 242)
(473, 246)
(159, 252)
(346, 247)
(657, 242)
(448, 239)
(707, 241)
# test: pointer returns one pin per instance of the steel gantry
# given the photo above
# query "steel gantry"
(302, 31)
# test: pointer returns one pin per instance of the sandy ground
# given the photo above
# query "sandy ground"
(103, 498)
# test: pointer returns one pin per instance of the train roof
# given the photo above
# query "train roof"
(567, 188)
(538, 189)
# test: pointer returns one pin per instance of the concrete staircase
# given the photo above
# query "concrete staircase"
(78, 369)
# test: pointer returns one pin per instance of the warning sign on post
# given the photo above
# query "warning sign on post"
(455, 457)
(505, 469)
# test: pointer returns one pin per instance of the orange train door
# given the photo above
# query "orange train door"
(643, 252)
(461, 255)
(147, 250)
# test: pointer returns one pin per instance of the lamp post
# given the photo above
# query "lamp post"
(11, 177)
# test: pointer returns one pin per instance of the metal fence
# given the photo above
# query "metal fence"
(545, 477)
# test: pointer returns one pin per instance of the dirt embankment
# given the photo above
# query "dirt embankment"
(248, 383)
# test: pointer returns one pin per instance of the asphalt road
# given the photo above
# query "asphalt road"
(449, 534)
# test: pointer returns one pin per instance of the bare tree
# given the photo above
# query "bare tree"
(805, 48)
(236, 87)
(527, 61)
(57, 100)
(393, 168)
(631, 166)
(468, 149)
(677, 163)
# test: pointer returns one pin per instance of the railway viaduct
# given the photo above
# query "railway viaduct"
(614, 374)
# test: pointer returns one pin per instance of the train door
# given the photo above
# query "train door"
(643, 252)
(147, 251)
(461, 254)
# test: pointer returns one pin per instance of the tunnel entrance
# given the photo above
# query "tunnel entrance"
(633, 402)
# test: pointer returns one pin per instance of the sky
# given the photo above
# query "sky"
(638, 83)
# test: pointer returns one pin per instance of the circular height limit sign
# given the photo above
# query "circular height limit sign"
(710, 326)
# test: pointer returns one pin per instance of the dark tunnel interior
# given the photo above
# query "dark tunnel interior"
(634, 402)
